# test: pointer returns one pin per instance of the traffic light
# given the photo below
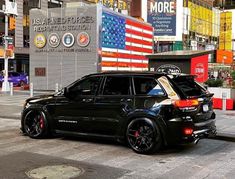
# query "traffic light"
(2, 52)
(9, 53)
(12, 23)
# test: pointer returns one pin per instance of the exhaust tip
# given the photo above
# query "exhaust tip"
(196, 141)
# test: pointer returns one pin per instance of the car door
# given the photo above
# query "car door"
(112, 105)
(75, 109)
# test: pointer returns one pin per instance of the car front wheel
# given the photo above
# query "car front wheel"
(35, 124)
(144, 136)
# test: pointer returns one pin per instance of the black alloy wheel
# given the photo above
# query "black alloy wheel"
(143, 135)
(35, 124)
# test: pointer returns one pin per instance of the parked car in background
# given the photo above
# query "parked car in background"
(147, 110)
(18, 79)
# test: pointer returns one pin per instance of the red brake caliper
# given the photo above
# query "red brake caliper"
(41, 122)
(137, 134)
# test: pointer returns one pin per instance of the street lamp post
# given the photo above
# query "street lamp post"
(5, 84)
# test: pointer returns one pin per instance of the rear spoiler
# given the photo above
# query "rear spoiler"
(201, 96)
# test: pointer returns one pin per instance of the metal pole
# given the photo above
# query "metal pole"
(5, 85)
(224, 97)
(56, 87)
(31, 89)
(11, 88)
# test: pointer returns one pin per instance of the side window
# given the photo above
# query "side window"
(117, 85)
(14, 74)
(86, 87)
(147, 86)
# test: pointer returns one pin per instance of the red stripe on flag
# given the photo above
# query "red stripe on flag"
(124, 64)
(136, 24)
(123, 55)
(138, 49)
(138, 41)
(134, 32)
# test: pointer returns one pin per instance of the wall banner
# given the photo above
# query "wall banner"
(162, 16)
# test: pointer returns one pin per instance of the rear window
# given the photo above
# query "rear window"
(188, 86)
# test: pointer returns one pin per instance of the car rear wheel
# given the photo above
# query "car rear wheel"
(35, 124)
(22, 84)
(144, 136)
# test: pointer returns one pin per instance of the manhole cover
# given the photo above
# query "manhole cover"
(54, 172)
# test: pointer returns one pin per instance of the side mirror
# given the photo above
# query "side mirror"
(65, 91)
(68, 93)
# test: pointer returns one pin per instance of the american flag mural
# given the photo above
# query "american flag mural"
(125, 42)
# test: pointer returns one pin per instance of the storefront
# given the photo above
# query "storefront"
(189, 62)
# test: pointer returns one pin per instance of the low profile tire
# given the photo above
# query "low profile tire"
(144, 136)
(35, 124)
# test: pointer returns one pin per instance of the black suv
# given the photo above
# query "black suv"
(147, 110)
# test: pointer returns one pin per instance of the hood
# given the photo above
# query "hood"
(40, 99)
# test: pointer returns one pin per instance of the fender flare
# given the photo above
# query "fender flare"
(156, 117)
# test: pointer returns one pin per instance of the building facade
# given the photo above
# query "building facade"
(19, 26)
(194, 24)
(18, 29)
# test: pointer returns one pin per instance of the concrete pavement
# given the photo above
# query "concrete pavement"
(11, 106)
(99, 159)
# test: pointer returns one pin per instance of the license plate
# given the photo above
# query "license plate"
(205, 108)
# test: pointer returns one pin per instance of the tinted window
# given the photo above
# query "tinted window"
(86, 87)
(147, 86)
(117, 86)
(188, 86)
(14, 74)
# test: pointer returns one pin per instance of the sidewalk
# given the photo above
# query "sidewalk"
(225, 123)
(11, 107)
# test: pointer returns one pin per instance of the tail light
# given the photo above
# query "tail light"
(188, 131)
(188, 103)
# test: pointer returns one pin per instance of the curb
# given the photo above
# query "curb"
(10, 117)
(225, 137)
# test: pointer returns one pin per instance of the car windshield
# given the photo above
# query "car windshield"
(188, 86)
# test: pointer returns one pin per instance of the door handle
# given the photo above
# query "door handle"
(87, 100)
(129, 100)
(126, 100)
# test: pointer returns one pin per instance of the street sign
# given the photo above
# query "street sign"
(9, 40)
(11, 8)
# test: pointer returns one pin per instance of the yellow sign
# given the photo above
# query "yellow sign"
(110, 4)
(40, 41)
(201, 19)
(225, 37)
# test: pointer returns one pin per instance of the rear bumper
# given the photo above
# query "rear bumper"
(201, 130)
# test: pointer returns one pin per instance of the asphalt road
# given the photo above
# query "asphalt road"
(103, 159)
